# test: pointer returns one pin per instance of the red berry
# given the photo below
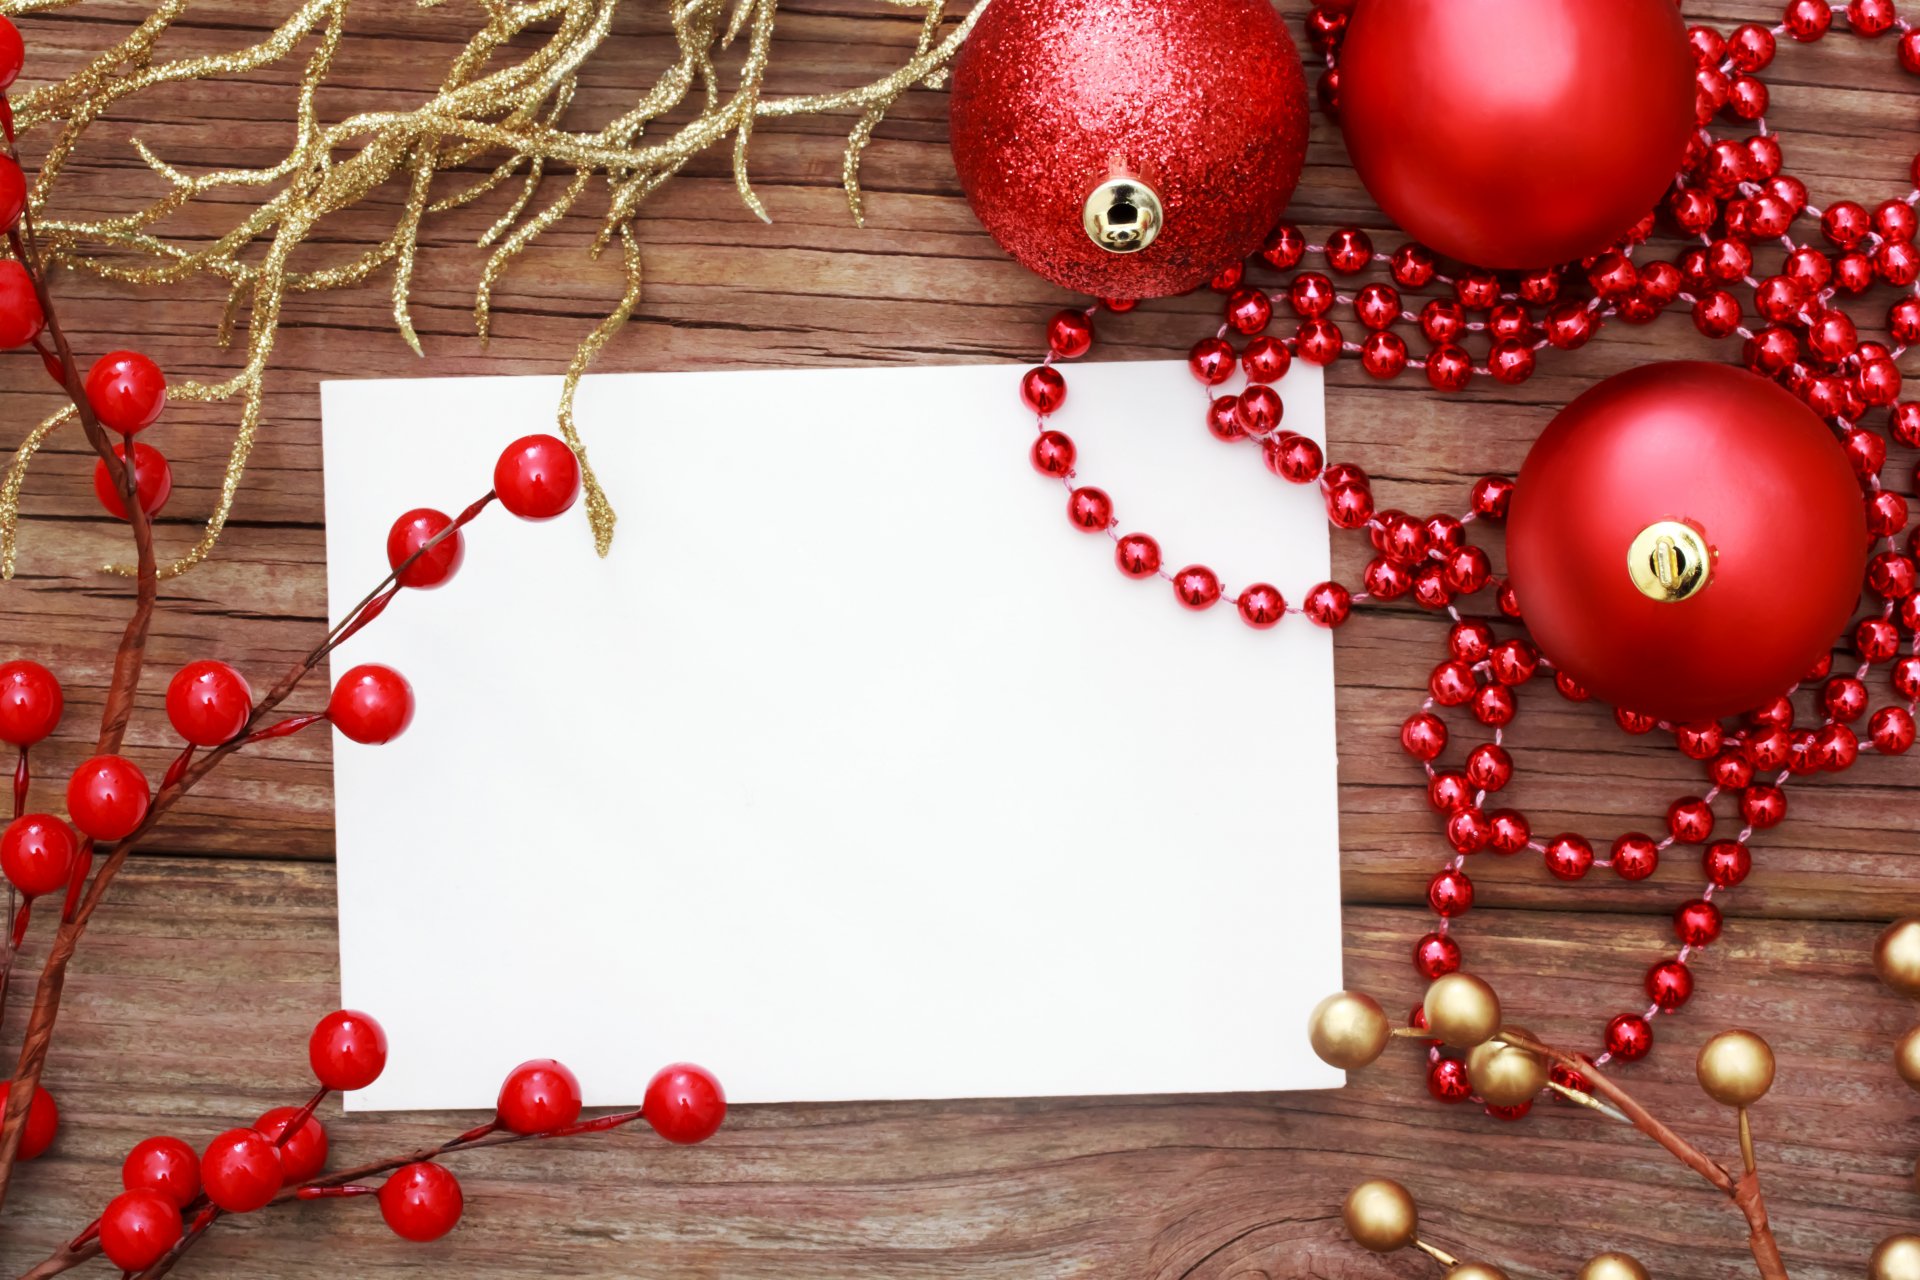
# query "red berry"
(241, 1171)
(537, 477)
(127, 391)
(36, 853)
(152, 479)
(303, 1155)
(107, 797)
(43, 1121)
(414, 530)
(138, 1228)
(30, 702)
(684, 1103)
(21, 319)
(421, 1202)
(348, 1050)
(371, 704)
(166, 1165)
(208, 703)
(13, 193)
(13, 55)
(538, 1096)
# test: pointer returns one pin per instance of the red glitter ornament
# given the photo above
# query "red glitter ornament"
(1214, 127)
(1728, 470)
(1516, 133)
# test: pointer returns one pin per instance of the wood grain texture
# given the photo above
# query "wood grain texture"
(191, 999)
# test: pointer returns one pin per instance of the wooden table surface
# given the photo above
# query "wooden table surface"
(188, 1008)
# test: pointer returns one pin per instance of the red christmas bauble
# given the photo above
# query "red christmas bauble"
(1516, 133)
(1686, 540)
(1174, 130)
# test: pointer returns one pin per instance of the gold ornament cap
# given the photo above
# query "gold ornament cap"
(1895, 1258)
(1462, 1011)
(1735, 1068)
(1896, 956)
(1505, 1074)
(1349, 1030)
(1613, 1266)
(1122, 215)
(1380, 1215)
(1669, 561)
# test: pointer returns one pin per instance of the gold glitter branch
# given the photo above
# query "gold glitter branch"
(505, 117)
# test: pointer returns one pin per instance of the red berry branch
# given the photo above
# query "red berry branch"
(173, 1196)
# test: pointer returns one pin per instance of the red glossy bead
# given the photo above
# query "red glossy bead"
(1871, 17)
(1377, 306)
(1669, 984)
(1266, 360)
(1494, 705)
(1470, 641)
(36, 854)
(1910, 50)
(1448, 368)
(1730, 771)
(1137, 554)
(1319, 342)
(1327, 605)
(138, 1228)
(1513, 662)
(538, 476)
(1435, 955)
(684, 1103)
(1569, 857)
(1228, 278)
(1294, 458)
(1518, 1111)
(1698, 741)
(21, 318)
(539, 1096)
(371, 704)
(1447, 1080)
(421, 1202)
(152, 478)
(1349, 506)
(1491, 496)
(420, 526)
(1629, 1037)
(126, 391)
(1570, 689)
(302, 1156)
(1349, 250)
(1717, 314)
(1906, 677)
(31, 702)
(1430, 587)
(1449, 791)
(1249, 310)
(1489, 767)
(1727, 862)
(1261, 606)
(1311, 295)
(241, 1171)
(1042, 389)
(1452, 684)
(1070, 334)
(1424, 735)
(1197, 587)
(347, 1050)
(164, 1165)
(1892, 730)
(1053, 454)
(1450, 893)
(1569, 325)
(1697, 923)
(107, 797)
(1089, 509)
(1751, 47)
(1690, 820)
(1876, 639)
(1468, 829)
(1385, 579)
(1634, 856)
(1223, 418)
(1258, 410)
(1413, 266)
(1835, 747)
(208, 703)
(1477, 290)
(1442, 320)
(1763, 804)
(1508, 831)
(1467, 570)
(1844, 698)
(1210, 360)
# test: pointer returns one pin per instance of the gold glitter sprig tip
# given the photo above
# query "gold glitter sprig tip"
(511, 115)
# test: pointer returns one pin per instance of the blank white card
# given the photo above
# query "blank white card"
(855, 771)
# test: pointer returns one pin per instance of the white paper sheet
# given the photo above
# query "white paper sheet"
(854, 772)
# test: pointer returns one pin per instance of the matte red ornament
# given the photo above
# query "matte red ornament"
(302, 1156)
(1516, 133)
(138, 1228)
(31, 702)
(421, 1202)
(537, 477)
(371, 704)
(1705, 457)
(208, 703)
(538, 1096)
(1064, 110)
(43, 1121)
(107, 797)
(241, 1171)
(684, 1103)
(163, 1164)
(413, 531)
(348, 1050)
(37, 853)
(126, 391)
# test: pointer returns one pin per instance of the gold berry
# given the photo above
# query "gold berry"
(1476, 1271)
(1895, 1258)
(1613, 1266)
(1735, 1068)
(1380, 1215)
(1462, 1011)
(1896, 956)
(1505, 1074)
(1906, 1056)
(1349, 1030)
